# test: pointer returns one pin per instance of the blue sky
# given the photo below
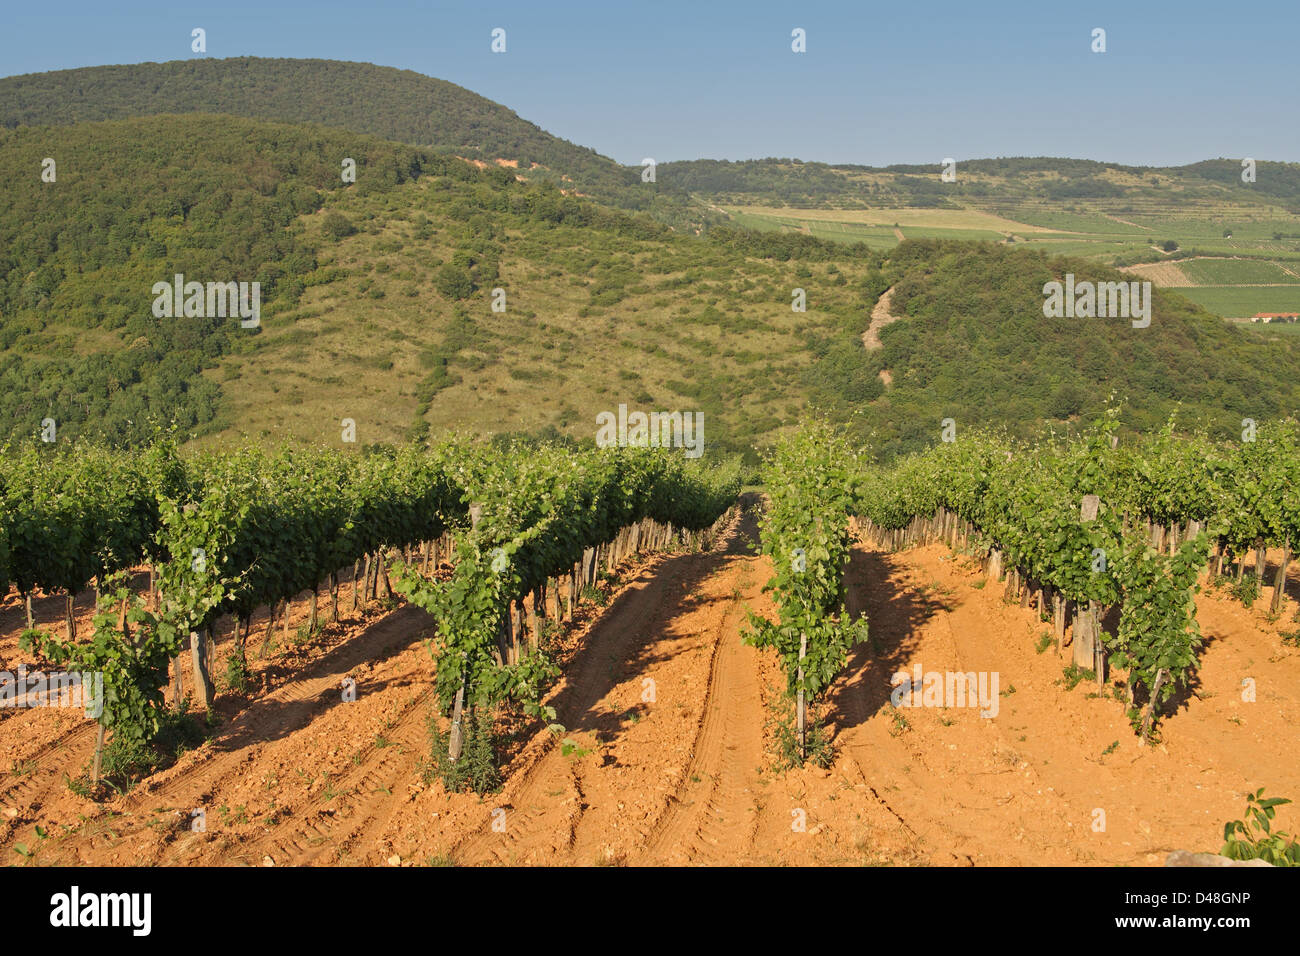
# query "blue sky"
(879, 83)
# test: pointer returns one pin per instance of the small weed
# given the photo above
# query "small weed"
(1073, 675)
(476, 769)
(571, 748)
(784, 725)
(236, 676)
(1254, 839)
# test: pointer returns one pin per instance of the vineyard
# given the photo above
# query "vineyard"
(225, 534)
(1090, 531)
(630, 661)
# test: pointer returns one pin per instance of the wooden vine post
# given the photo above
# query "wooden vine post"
(1085, 653)
(203, 689)
(71, 621)
(1279, 583)
(800, 713)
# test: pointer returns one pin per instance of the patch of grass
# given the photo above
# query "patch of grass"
(1074, 675)
(784, 725)
(236, 675)
(476, 769)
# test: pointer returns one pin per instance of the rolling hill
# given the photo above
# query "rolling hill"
(437, 293)
(398, 105)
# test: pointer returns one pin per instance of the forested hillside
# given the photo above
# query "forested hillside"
(398, 105)
(431, 294)
(377, 306)
(133, 203)
(975, 346)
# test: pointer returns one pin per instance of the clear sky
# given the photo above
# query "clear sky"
(880, 83)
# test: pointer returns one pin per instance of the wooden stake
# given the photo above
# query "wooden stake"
(203, 690)
(1279, 582)
(456, 738)
(803, 741)
(99, 754)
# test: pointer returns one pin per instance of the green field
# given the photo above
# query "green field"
(1231, 286)
(1213, 272)
(1244, 301)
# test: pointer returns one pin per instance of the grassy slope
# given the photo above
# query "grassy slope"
(595, 317)
(392, 326)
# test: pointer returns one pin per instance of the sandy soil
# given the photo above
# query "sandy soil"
(674, 764)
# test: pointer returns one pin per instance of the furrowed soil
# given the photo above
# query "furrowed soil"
(668, 754)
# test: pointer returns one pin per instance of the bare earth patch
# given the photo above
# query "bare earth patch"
(880, 317)
(1161, 273)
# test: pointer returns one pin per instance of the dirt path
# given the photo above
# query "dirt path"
(676, 779)
(880, 317)
(668, 711)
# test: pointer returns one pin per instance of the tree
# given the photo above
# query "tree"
(337, 226)
(454, 282)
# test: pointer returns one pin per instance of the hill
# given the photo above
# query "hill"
(983, 182)
(973, 345)
(1115, 214)
(379, 307)
(398, 105)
